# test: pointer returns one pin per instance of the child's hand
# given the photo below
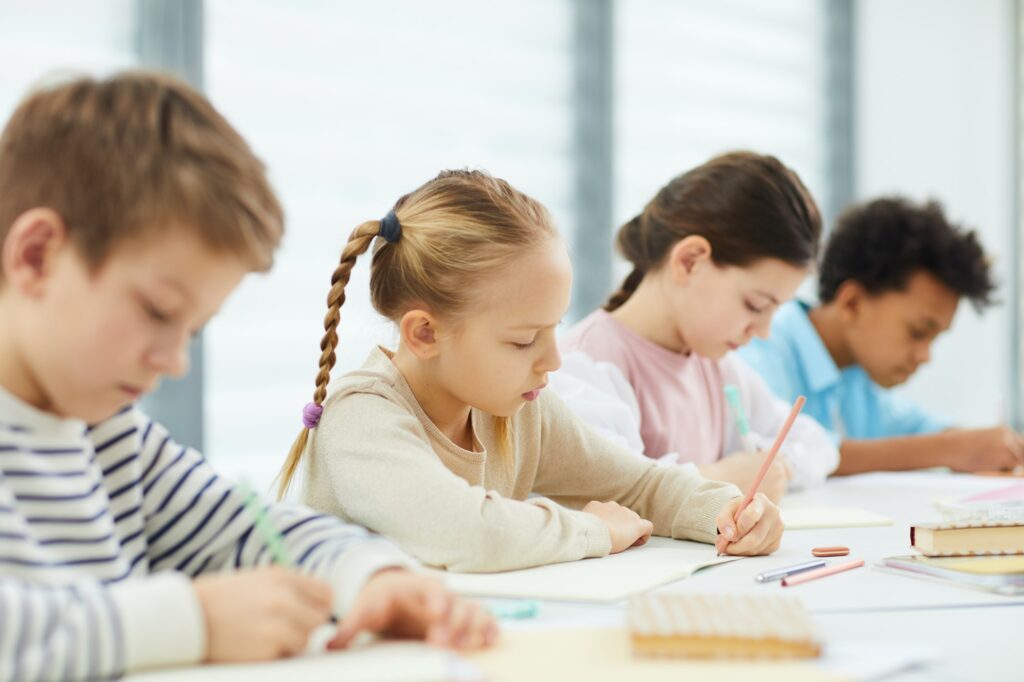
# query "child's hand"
(995, 449)
(400, 603)
(261, 614)
(625, 526)
(757, 531)
(742, 468)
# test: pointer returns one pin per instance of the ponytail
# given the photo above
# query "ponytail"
(627, 289)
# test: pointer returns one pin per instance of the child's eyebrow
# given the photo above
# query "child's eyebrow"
(177, 286)
(767, 295)
(542, 325)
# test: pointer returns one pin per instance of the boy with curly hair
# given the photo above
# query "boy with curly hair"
(891, 278)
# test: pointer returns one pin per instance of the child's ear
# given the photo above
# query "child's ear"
(686, 255)
(418, 330)
(30, 249)
(849, 300)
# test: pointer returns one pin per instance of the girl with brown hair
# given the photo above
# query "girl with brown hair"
(713, 254)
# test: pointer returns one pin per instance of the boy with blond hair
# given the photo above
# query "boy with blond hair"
(129, 210)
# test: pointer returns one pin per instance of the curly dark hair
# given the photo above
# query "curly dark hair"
(880, 244)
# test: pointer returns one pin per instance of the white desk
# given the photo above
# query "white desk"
(976, 635)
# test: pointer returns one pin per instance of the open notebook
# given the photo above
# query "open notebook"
(1002, 505)
(607, 579)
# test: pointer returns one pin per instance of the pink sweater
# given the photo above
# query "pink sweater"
(681, 399)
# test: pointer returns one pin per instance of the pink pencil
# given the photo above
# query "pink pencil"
(783, 432)
(807, 576)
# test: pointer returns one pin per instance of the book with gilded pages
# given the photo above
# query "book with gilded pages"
(967, 539)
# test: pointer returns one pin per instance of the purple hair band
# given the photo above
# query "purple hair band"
(311, 415)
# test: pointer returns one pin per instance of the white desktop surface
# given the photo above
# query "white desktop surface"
(959, 634)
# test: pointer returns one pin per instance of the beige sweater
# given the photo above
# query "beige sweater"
(376, 459)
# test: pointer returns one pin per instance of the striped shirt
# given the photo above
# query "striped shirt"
(100, 530)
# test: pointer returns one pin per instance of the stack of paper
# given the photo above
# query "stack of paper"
(999, 574)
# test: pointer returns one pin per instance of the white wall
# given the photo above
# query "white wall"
(934, 118)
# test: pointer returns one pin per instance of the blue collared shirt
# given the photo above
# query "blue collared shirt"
(794, 361)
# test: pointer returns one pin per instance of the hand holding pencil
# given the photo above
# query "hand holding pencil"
(268, 612)
(758, 530)
(753, 525)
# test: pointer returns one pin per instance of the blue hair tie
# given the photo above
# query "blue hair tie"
(390, 228)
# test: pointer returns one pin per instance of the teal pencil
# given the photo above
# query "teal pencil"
(518, 610)
(271, 535)
(732, 396)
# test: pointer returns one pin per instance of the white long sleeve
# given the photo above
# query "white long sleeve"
(601, 395)
(810, 452)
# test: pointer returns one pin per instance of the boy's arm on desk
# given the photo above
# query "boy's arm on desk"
(997, 448)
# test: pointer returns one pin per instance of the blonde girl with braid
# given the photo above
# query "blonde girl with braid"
(449, 444)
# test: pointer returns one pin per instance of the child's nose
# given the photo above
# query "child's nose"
(180, 364)
(551, 360)
(923, 353)
(171, 359)
(761, 328)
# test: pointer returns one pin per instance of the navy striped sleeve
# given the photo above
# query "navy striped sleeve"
(197, 521)
(68, 632)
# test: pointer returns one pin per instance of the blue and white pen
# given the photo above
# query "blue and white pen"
(732, 396)
(780, 573)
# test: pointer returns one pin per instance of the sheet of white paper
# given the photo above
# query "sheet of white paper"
(373, 662)
(607, 579)
(868, 662)
(804, 518)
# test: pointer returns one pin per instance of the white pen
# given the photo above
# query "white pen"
(780, 573)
